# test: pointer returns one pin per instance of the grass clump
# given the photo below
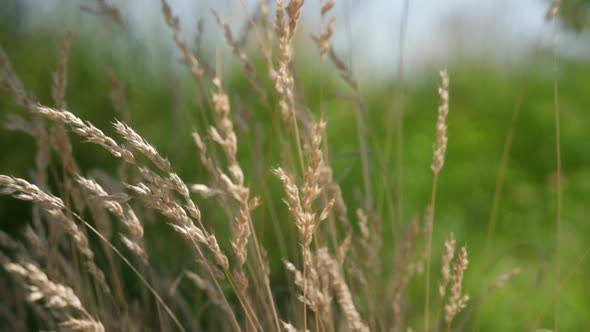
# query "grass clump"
(332, 262)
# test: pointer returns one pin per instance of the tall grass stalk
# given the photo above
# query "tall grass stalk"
(553, 15)
(437, 164)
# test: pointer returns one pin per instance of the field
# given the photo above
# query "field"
(274, 190)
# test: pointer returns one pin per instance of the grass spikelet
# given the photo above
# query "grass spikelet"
(86, 130)
(241, 55)
(83, 325)
(104, 9)
(437, 164)
(55, 209)
(342, 291)
(7, 242)
(142, 146)
(288, 327)
(39, 287)
(126, 215)
(441, 125)
(189, 58)
(446, 265)
(326, 7)
(54, 295)
(294, 12)
(284, 81)
(457, 301)
(324, 40)
(58, 91)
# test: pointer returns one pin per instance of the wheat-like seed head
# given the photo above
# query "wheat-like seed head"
(39, 287)
(343, 295)
(83, 325)
(125, 214)
(38, 244)
(21, 189)
(242, 56)
(503, 279)
(446, 265)
(553, 10)
(24, 190)
(86, 130)
(294, 12)
(310, 287)
(142, 146)
(205, 160)
(107, 10)
(241, 235)
(190, 60)
(7, 242)
(288, 327)
(324, 40)
(60, 75)
(326, 7)
(207, 287)
(457, 300)
(441, 125)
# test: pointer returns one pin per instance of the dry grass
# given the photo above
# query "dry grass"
(337, 273)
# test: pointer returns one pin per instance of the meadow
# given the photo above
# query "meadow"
(272, 191)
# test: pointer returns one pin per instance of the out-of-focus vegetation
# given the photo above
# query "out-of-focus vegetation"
(575, 14)
(487, 100)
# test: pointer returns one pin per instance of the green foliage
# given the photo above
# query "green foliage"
(575, 14)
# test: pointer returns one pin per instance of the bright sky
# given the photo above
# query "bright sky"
(368, 30)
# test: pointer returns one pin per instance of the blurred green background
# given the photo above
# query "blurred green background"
(485, 95)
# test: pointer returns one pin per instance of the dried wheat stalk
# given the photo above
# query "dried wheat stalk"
(56, 296)
(457, 301)
(55, 209)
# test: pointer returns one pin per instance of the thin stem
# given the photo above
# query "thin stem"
(263, 47)
(267, 168)
(399, 112)
(126, 261)
(430, 222)
(571, 273)
(559, 187)
(264, 277)
(297, 138)
(304, 290)
(223, 298)
(364, 151)
(500, 182)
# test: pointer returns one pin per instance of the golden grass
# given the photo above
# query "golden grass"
(337, 275)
